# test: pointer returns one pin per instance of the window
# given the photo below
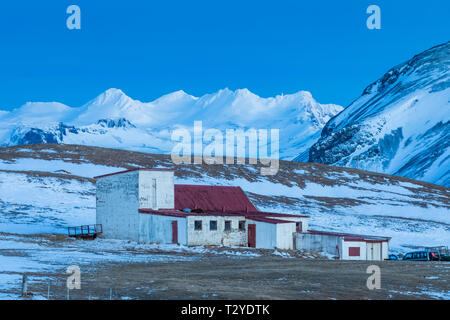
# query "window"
(241, 225)
(408, 256)
(298, 227)
(227, 225)
(213, 225)
(197, 225)
(354, 251)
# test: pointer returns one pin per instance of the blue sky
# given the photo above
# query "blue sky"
(150, 48)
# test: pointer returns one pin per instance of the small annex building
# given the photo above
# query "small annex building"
(345, 246)
(144, 205)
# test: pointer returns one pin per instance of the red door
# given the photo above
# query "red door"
(174, 231)
(252, 235)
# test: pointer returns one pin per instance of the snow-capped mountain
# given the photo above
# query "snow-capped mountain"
(400, 125)
(115, 120)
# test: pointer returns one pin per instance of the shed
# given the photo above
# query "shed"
(344, 246)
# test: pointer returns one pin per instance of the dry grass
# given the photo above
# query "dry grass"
(290, 173)
(266, 277)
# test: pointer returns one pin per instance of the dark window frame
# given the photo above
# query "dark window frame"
(227, 223)
(211, 223)
(242, 225)
(198, 225)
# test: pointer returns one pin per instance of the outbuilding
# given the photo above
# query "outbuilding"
(144, 205)
(344, 246)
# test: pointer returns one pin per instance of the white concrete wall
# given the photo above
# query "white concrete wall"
(385, 248)
(216, 237)
(158, 229)
(285, 236)
(165, 191)
(362, 250)
(120, 196)
(118, 205)
(266, 234)
(328, 243)
(319, 243)
(303, 220)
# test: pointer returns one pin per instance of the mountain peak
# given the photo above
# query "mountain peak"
(399, 125)
(111, 96)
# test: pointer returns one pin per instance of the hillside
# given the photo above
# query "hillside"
(400, 125)
(53, 188)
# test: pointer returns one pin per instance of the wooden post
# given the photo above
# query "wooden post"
(24, 285)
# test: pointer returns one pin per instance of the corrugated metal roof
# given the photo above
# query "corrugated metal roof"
(132, 170)
(350, 236)
(267, 219)
(212, 198)
(165, 212)
(282, 215)
(256, 216)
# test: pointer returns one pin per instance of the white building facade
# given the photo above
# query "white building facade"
(144, 205)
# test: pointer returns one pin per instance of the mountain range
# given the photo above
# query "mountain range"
(399, 125)
(115, 120)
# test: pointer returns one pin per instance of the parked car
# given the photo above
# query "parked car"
(422, 256)
(392, 257)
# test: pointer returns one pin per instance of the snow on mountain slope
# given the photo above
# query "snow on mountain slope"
(400, 125)
(55, 189)
(117, 121)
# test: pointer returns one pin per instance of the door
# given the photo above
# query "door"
(374, 251)
(174, 231)
(377, 251)
(252, 235)
(369, 246)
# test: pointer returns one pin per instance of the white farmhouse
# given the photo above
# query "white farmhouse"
(145, 205)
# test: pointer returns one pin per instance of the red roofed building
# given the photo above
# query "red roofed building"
(212, 198)
(145, 205)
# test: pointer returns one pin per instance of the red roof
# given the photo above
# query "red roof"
(212, 198)
(165, 212)
(255, 216)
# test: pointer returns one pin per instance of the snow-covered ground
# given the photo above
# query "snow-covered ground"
(33, 204)
(41, 256)
(53, 190)
(44, 189)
